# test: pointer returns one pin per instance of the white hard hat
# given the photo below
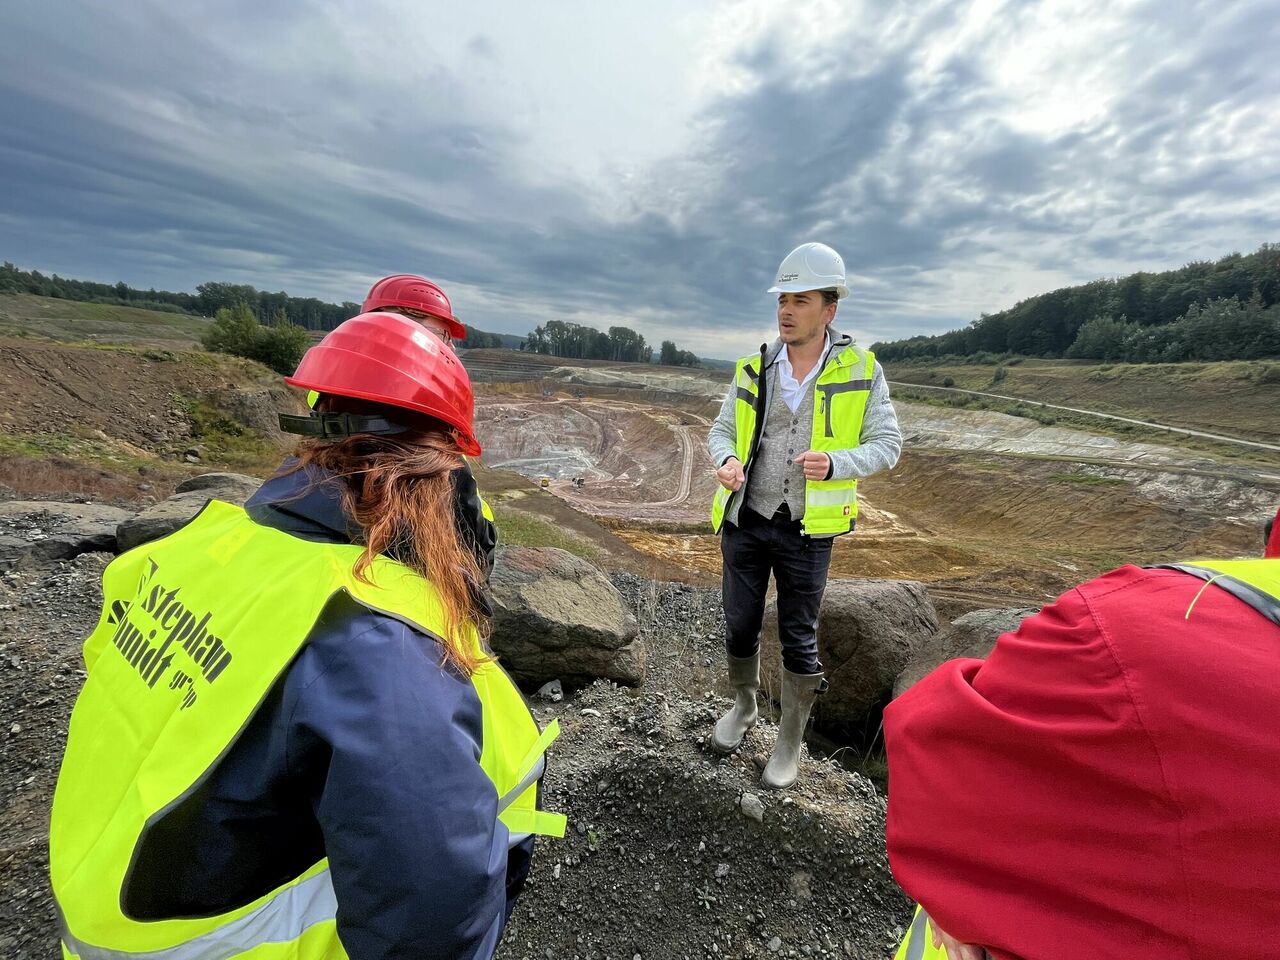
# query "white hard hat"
(811, 266)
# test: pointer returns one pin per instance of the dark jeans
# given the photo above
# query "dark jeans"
(752, 549)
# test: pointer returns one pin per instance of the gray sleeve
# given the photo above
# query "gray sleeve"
(881, 440)
(722, 439)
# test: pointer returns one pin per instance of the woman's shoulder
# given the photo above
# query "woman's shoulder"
(360, 640)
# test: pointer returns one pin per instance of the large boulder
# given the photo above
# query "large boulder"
(867, 632)
(41, 530)
(223, 485)
(163, 518)
(972, 635)
(558, 617)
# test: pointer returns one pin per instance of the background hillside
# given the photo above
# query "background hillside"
(1223, 310)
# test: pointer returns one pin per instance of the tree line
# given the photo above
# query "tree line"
(271, 309)
(560, 338)
(1225, 309)
(306, 312)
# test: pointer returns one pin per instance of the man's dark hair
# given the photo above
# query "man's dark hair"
(829, 297)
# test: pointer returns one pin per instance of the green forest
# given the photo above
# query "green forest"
(1228, 309)
(227, 300)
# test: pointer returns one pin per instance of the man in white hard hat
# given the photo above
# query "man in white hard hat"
(803, 421)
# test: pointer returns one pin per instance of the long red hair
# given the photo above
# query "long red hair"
(399, 490)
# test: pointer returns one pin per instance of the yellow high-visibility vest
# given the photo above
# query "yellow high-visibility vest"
(195, 630)
(918, 943)
(843, 387)
(1255, 582)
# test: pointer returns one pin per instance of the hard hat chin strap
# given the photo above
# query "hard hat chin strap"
(337, 426)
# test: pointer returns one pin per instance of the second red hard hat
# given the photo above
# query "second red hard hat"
(414, 293)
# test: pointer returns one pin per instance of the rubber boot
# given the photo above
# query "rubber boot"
(744, 674)
(799, 690)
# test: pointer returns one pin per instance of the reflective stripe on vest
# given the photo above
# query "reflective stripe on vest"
(842, 390)
(281, 920)
(918, 943)
(195, 630)
(1255, 582)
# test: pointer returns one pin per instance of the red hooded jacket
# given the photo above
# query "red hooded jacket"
(1105, 785)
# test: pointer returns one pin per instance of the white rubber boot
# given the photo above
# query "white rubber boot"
(744, 674)
(799, 690)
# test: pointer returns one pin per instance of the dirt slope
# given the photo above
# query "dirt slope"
(132, 413)
(1238, 398)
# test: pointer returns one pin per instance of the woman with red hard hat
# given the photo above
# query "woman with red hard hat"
(292, 732)
(426, 303)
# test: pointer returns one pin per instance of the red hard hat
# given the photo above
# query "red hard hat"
(414, 293)
(387, 358)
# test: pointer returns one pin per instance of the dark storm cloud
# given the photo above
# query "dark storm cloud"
(152, 147)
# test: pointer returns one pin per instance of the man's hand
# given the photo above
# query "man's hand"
(815, 464)
(955, 949)
(730, 475)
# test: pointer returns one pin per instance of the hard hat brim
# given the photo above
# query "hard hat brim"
(841, 290)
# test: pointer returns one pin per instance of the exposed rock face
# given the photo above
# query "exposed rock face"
(161, 519)
(558, 617)
(40, 530)
(260, 409)
(868, 630)
(972, 635)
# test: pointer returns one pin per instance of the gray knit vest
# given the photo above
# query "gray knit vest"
(774, 477)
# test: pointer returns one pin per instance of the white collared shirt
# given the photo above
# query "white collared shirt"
(793, 391)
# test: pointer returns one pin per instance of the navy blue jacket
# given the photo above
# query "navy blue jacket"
(365, 751)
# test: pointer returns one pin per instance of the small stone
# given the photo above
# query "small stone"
(555, 871)
(775, 944)
(752, 807)
(552, 691)
(16, 728)
(722, 871)
(590, 712)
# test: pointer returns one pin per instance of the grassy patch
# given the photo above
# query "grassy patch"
(58, 465)
(104, 453)
(229, 442)
(520, 529)
(28, 315)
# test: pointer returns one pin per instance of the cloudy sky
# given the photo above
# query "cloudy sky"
(644, 164)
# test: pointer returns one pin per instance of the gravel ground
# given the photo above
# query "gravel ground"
(672, 852)
(46, 611)
(662, 858)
